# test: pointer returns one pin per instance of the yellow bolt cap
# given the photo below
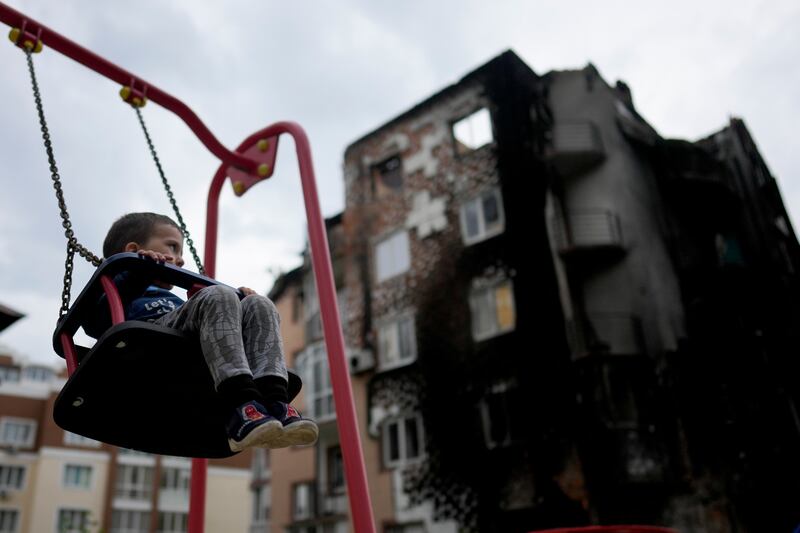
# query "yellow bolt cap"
(137, 101)
(238, 188)
(38, 47)
(13, 35)
(263, 169)
(28, 45)
(125, 93)
(263, 145)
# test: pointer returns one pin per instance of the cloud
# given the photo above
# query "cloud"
(341, 69)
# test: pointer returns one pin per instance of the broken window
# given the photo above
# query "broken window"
(397, 342)
(312, 365)
(482, 217)
(493, 309)
(302, 501)
(403, 440)
(335, 470)
(473, 131)
(495, 411)
(392, 256)
(387, 176)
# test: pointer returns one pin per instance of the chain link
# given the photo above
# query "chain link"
(72, 242)
(167, 188)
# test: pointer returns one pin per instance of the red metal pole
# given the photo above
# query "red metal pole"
(89, 59)
(352, 452)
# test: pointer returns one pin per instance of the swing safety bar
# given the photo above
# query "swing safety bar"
(40, 34)
(355, 472)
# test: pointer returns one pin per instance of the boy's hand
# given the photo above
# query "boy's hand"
(156, 256)
(247, 291)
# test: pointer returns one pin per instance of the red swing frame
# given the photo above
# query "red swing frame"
(249, 168)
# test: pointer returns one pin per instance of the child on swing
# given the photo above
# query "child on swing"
(240, 340)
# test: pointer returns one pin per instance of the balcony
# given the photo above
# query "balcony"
(605, 334)
(588, 234)
(576, 147)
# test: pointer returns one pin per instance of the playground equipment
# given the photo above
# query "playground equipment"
(251, 162)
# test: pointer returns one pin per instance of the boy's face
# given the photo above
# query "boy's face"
(166, 240)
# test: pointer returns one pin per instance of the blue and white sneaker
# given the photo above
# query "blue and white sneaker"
(297, 431)
(251, 425)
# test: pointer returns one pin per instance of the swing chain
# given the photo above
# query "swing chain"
(167, 188)
(72, 242)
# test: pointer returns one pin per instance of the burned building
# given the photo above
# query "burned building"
(563, 318)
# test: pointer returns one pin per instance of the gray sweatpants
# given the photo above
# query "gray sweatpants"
(237, 337)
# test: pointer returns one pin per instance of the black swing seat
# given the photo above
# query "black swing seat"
(143, 386)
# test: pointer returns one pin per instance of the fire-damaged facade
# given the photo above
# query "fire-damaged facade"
(563, 318)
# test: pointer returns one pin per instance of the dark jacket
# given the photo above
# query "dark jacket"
(140, 300)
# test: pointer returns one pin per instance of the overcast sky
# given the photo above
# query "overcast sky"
(340, 69)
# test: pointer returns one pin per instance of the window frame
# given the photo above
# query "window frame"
(478, 296)
(333, 472)
(467, 116)
(80, 468)
(23, 477)
(398, 268)
(123, 488)
(176, 516)
(73, 439)
(309, 514)
(483, 234)
(30, 422)
(402, 439)
(395, 323)
(85, 521)
(17, 514)
(316, 354)
(146, 514)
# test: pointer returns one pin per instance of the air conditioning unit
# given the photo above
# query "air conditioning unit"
(361, 361)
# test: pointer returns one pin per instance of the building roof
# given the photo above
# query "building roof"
(506, 57)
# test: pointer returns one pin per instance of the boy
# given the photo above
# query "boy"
(240, 340)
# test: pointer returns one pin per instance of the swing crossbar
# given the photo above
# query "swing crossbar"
(102, 66)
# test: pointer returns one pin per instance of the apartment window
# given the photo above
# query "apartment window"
(495, 411)
(403, 440)
(17, 432)
(313, 366)
(261, 464)
(482, 217)
(9, 373)
(12, 477)
(77, 476)
(9, 518)
(175, 479)
(130, 522)
(392, 256)
(172, 522)
(262, 502)
(493, 310)
(38, 373)
(473, 131)
(72, 521)
(388, 174)
(73, 439)
(397, 342)
(335, 470)
(302, 501)
(134, 482)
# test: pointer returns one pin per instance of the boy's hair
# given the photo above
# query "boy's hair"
(133, 227)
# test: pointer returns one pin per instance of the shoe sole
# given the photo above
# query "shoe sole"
(300, 433)
(264, 436)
